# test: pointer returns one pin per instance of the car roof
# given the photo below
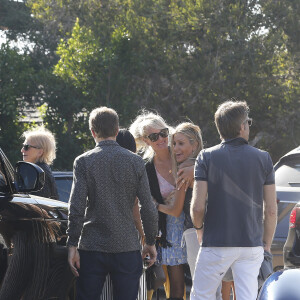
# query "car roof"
(293, 153)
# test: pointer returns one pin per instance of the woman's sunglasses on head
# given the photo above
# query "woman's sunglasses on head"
(27, 146)
(153, 137)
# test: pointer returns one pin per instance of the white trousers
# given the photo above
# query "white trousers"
(212, 264)
(192, 248)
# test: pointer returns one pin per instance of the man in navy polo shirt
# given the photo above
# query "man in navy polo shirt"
(237, 222)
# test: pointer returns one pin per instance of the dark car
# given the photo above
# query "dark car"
(64, 180)
(287, 176)
(33, 253)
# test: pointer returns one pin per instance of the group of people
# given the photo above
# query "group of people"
(213, 209)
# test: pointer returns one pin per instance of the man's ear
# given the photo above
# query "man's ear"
(242, 128)
(118, 129)
(93, 133)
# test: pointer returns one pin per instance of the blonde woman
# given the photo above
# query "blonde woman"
(151, 134)
(39, 148)
(186, 143)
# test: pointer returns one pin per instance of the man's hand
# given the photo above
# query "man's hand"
(74, 260)
(199, 235)
(151, 252)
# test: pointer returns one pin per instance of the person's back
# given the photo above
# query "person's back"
(237, 181)
(102, 238)
(236, 176)
(113, 176)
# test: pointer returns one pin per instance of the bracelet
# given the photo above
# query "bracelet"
(156, 205)
(199, 228)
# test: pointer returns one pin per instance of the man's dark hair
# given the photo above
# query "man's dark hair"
(229, 117)
(104, 122)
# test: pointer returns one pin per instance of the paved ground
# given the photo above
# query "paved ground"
(161, 294)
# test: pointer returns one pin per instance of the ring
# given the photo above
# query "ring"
(183, 180)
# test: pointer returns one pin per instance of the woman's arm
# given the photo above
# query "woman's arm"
(186, 177)
(175, 208)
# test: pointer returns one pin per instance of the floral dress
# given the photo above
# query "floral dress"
(175, 255)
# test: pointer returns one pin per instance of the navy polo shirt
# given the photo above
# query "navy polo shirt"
(236, 174)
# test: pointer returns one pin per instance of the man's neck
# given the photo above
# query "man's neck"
(98, 140)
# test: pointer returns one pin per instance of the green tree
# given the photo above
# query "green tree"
(16, 86)
(182, 58)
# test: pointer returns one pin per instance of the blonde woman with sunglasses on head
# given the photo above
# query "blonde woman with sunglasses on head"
(39, 148)
(151, 134)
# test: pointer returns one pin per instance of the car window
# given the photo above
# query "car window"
(64, 185)
(3, 183)
(284, 211)
(288, 174)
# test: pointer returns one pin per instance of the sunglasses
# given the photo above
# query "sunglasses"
(153, 137)
(27, 146)
(249, 121)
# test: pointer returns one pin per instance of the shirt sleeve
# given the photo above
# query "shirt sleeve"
(149, 214)
(201, 167)
(270, 173)
(77, 203)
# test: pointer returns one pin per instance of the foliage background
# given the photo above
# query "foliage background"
(181, 58)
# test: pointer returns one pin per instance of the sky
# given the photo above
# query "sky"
(20, 44)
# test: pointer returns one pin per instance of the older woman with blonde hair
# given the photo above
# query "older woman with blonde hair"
(151, 133)
(39, 148)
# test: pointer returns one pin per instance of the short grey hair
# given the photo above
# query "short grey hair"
(229, 117)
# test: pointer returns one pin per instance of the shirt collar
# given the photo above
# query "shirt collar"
(106, 143)
(235, 142)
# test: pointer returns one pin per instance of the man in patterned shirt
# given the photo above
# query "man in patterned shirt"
(102, 238)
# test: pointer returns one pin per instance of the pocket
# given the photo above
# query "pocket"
(214, 252)
(129, 262)
(257, 253)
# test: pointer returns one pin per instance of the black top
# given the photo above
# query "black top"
(49, 189)
(155, 192)
(186, 209)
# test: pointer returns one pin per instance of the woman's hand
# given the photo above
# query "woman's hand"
(185, 174)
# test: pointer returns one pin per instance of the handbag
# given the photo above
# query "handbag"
(155, 277)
